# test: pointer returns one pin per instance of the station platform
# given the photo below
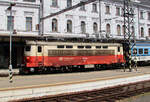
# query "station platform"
(51, 84)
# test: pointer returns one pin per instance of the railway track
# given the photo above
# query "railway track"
(110, 94)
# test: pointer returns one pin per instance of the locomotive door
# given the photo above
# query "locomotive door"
(40, 56)
(118, 54)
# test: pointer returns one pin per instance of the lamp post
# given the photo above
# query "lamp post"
(10, 45)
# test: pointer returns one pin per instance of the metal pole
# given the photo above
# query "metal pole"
(100, 21)
(10, 47)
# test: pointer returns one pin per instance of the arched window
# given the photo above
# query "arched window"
(149, 32)
(142, 32)
(83, 27)
(69, 3)
(54, 25)
(54, 3)
(69, 26)
(132, 31)
(123, 29)
(108, 31)
(118, 30)
(95, 27)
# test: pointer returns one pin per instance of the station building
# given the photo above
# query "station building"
(101, 19)
(25, 22)
(91, 19)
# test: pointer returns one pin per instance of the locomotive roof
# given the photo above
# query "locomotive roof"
(71, 43)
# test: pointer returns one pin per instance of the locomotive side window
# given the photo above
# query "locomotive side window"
(80, 47)
(28, 48)
(88, 46)
(140, 51)
(134, 51)
(105, 47)
(39, 49)
(145, 51)
(118, 49)
(60, 46)
(98, 47)
(69, 46)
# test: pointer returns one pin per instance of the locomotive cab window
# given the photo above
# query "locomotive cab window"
(118, 49)
(140, 51)
(28, 48)
(39, 49)
(145, 51)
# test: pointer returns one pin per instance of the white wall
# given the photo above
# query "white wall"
(89, 17)
(20, 11)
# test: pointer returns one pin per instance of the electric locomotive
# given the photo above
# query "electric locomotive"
(47, 56)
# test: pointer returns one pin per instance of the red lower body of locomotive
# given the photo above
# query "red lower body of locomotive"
(61, 61)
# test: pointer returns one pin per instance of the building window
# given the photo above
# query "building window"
(54, 25)
(69, 3)
(83, 27)
(123, 29)
(148, 16)
(108, 31)
(28, 23)
(69, 26)
(122, 11)
(141, 15)
(29, 0)
(95, 27)
(10, 23)
(107, 9)
(142, 32)
(132, 31)
(149, 32)
(94, 7)
(117, 11)
(54, 3)
(82, 8)
(118, 30)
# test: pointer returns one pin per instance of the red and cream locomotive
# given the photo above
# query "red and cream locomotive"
(40, 56)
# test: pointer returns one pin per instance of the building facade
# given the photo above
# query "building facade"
(24, 20)
(86, 21)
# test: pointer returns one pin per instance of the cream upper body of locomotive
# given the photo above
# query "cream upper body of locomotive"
(44, 47)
